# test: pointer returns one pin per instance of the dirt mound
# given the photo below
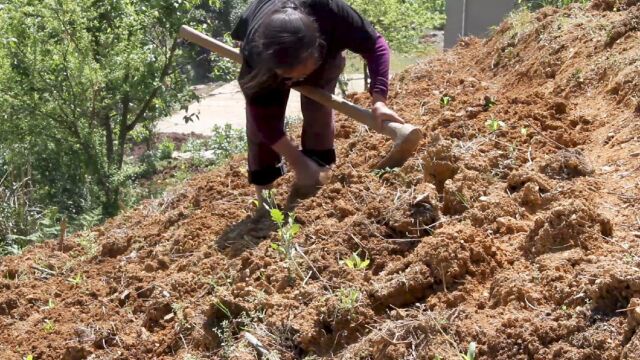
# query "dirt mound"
(515, 226)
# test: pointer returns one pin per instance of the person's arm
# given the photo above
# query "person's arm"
(269, 123)
(353, 32)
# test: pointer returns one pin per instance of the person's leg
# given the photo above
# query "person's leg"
(318, 127)
(265, 164)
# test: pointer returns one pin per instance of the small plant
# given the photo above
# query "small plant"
(524, 131)
(471, 352)
(89, 245)
(489, 102)
(166, 149)
(48, 326)
(222, 307)
(50, 304)
(494, 125)
(445, 100)
(287, 230)
(28, 357)
(355, 262)
(76, 280)
(381, 172)
(348, 298)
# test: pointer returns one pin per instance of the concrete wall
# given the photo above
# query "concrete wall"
(473, 17)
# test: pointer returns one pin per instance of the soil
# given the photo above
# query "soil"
(525, 240)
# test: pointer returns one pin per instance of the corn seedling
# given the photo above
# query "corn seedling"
(355, 262)
(48, 326)
(76, 280)
(494, 125)
(445, 100)
(471, 352)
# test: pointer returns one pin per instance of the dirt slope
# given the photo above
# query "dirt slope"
(524, 240)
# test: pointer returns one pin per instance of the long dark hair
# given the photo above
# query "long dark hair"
(284, 40)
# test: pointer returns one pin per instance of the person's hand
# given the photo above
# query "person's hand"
(308, 173)
(382, 113)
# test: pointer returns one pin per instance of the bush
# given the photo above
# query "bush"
(166, 149)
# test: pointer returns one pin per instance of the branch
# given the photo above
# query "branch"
(163, 75)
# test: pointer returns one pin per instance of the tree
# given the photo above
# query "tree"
(77, 77)
(402, 22)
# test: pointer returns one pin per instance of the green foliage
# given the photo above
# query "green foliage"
(355, 262)
(49, 326)
(348, 299)
(166, 149)
(76, 78)
(225, 142)
(76, 280)
(538, 4)
(287, 231)
(445, 100)
(402, 22)
(494, 124)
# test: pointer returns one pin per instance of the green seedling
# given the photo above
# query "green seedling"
(381, 172)
(348, 298)
(51, 304)
(29, 357)
(489, 102)
(222, 307)
(494, 125)
(445, 100)
(355, 262)
(287, 231)
(76, 280)
(49, 326)
(471, 352)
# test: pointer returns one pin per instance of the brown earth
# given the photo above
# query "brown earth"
(524, 240)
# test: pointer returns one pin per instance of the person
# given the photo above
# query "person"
(286, 43)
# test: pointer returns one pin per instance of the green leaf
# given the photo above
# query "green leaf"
(471, 351)
(294, 229)
(277, 216)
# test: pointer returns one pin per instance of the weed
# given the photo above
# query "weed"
(445, 100)
(381, 172)
(489, 102)
(471, 352)
(463, 199)
(355, 262)
(166, 149)
(88, 243)
(178, 310)
(222, 307)
(576, 77)
(48, 326)
(348, 299)
(76, 280)
(494, 125)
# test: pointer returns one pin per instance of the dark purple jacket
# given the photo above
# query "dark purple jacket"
(341, 27)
